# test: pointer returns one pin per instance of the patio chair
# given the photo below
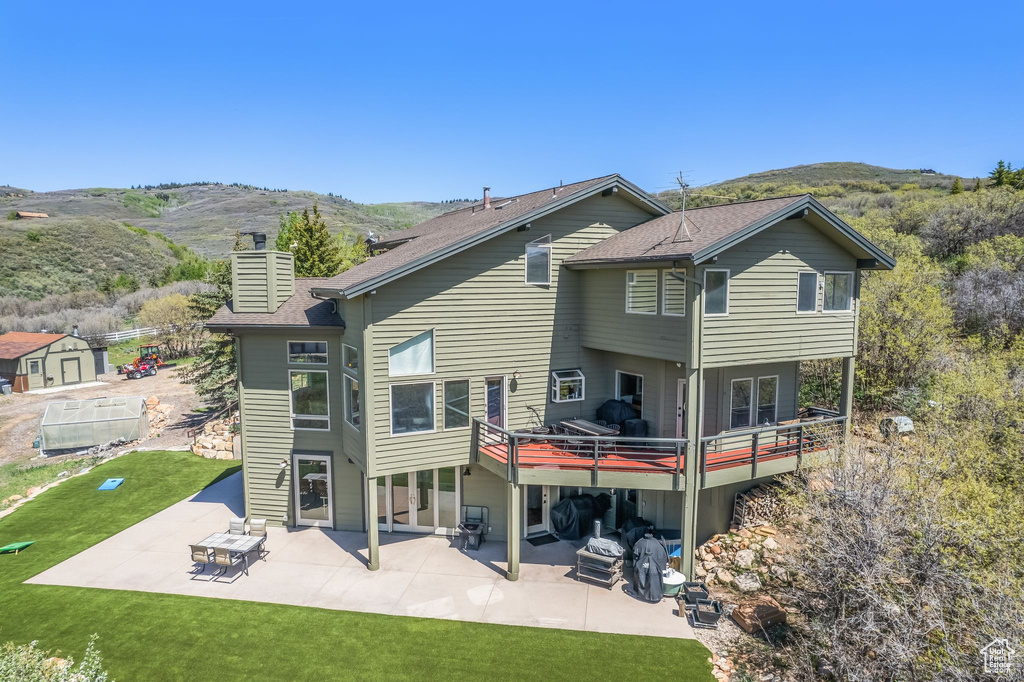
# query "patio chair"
(201, 555)
(237, 526)
(258, 528)
(223, 558)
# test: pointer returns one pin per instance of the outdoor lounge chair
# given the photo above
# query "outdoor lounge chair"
(258, 528)
(201, 555)
(222, 557)
(237, 526)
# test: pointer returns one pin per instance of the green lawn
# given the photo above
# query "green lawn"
(158, 637)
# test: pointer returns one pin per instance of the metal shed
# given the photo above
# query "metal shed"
(70, 424)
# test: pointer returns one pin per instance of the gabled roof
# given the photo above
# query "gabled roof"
(452, 232)
(15, 344)
(711, 230)
(300, 310)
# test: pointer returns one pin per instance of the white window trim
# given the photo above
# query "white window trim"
(555, 385)
(345, 379)
(818, 283)
(643, 381)
(664, 295)
(433, 354)
(551, 259)
(728, 278)
(391, 421)
(853, 283)
(750, 410)
(469, 404)
(288, 353)
(757, 398)
(656, 288)
(354, 372)
(291, 408)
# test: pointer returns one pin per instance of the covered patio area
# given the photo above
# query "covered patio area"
(424, 576)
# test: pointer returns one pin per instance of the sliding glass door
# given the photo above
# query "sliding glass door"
(420, 502)
(314, 504)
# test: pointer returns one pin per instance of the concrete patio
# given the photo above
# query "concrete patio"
(425, 576)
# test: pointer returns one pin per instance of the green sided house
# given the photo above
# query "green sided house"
(579, 339)
(32, 361)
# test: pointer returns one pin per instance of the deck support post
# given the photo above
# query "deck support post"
(846, 395)
(694, 418)
(513, 530)
(372, 529)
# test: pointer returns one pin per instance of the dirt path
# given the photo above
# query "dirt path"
(20, 413)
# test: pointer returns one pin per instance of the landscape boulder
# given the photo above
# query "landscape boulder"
(747, 582)
(744, 558)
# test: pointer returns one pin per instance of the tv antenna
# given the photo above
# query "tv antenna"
(683, 232)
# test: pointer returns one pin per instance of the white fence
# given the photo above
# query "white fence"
(117, 337)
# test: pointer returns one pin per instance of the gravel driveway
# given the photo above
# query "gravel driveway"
(20, 413)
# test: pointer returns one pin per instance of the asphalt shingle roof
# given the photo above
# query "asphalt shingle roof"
(300, 310)
(451, 228)
(15, 344)
(661, 238)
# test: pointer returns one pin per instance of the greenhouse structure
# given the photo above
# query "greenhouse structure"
(77, 424)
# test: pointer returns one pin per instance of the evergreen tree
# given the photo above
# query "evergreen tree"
(1001, 175)
(317, 253)
(957, 188)
(977, 184)
(214, 373)
(284, 233)
(240, 244)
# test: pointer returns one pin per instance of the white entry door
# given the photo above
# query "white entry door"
(314, 494)
(536, 509)
(680, 408)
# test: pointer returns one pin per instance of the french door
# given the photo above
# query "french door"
(314, 494)
(420, 501)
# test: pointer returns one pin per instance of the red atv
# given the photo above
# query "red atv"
(139, 369)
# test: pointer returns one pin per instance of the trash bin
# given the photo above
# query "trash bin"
(471, 535)
(5, 389)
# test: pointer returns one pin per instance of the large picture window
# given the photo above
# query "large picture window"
(456, 404)
(767, 400)
(352, 411)
(716, 292)
(629, 388)
(673, 297)
(308, 399)
(538, 261)
(412, 408)
(838, 292)
(642, 292)
(415, 356)
(567, 385)
(807, 292)
(740, 403)
(307, 352)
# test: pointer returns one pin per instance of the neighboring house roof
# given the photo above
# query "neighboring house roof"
(449, 233)
(300, 310)
(711, 230)
(31, 214)
(15, 344)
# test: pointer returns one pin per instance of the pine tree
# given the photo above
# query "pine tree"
(239, 245)
(957, 188)
(214, 372)
(284, 233)
(1001, 175)
(317, 253)
(977, 184)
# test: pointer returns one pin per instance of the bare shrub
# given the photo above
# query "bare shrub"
(988, 300)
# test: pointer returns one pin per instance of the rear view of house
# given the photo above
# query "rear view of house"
(582, 339)
(32, 361)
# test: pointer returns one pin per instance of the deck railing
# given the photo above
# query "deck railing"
(596, 454)
(752, 446)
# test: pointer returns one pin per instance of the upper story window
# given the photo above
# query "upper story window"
(673, 301)
(350, 358)
(629, 388)
(308, 399)
(807, 292)
(740, 403)
(415, 356)
(412, 408)
(352, 412)
(716, 292)
(538, 261)
(307, 352)
(456, 404)
(642, 292)
(767, 400)
(567, 385)
(838, 292)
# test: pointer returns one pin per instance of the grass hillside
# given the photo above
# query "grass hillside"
(843, 173)
(67, 254)
(205, 216)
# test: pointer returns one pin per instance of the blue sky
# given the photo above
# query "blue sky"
(382, 102)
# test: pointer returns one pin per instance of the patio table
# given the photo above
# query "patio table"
(235, 544)
(588, 428)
